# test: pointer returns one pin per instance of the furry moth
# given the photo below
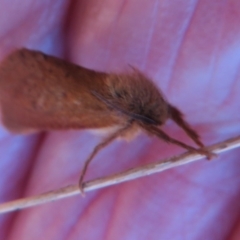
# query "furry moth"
(39, 92)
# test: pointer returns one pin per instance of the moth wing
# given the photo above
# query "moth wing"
(41, 92)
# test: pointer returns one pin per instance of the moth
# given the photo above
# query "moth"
(42, 93)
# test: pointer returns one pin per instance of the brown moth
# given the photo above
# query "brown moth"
(40, 93)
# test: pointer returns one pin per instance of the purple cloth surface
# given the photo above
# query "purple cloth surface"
(191, 49)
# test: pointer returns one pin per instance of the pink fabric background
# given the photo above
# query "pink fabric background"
(192, 51)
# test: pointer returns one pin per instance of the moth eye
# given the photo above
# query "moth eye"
(120, 94)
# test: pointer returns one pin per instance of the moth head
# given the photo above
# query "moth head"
(136, 97)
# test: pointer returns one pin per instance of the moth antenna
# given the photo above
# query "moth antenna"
(132, 115)
(101, 145)
(177, 117)
(161, 134)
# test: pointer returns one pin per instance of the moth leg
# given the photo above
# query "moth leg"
(177, 117)
(158, 132)
(101, 145)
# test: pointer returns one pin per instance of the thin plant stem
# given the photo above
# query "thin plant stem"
(128, 175)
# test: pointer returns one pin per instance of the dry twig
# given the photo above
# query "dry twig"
(117, 178)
